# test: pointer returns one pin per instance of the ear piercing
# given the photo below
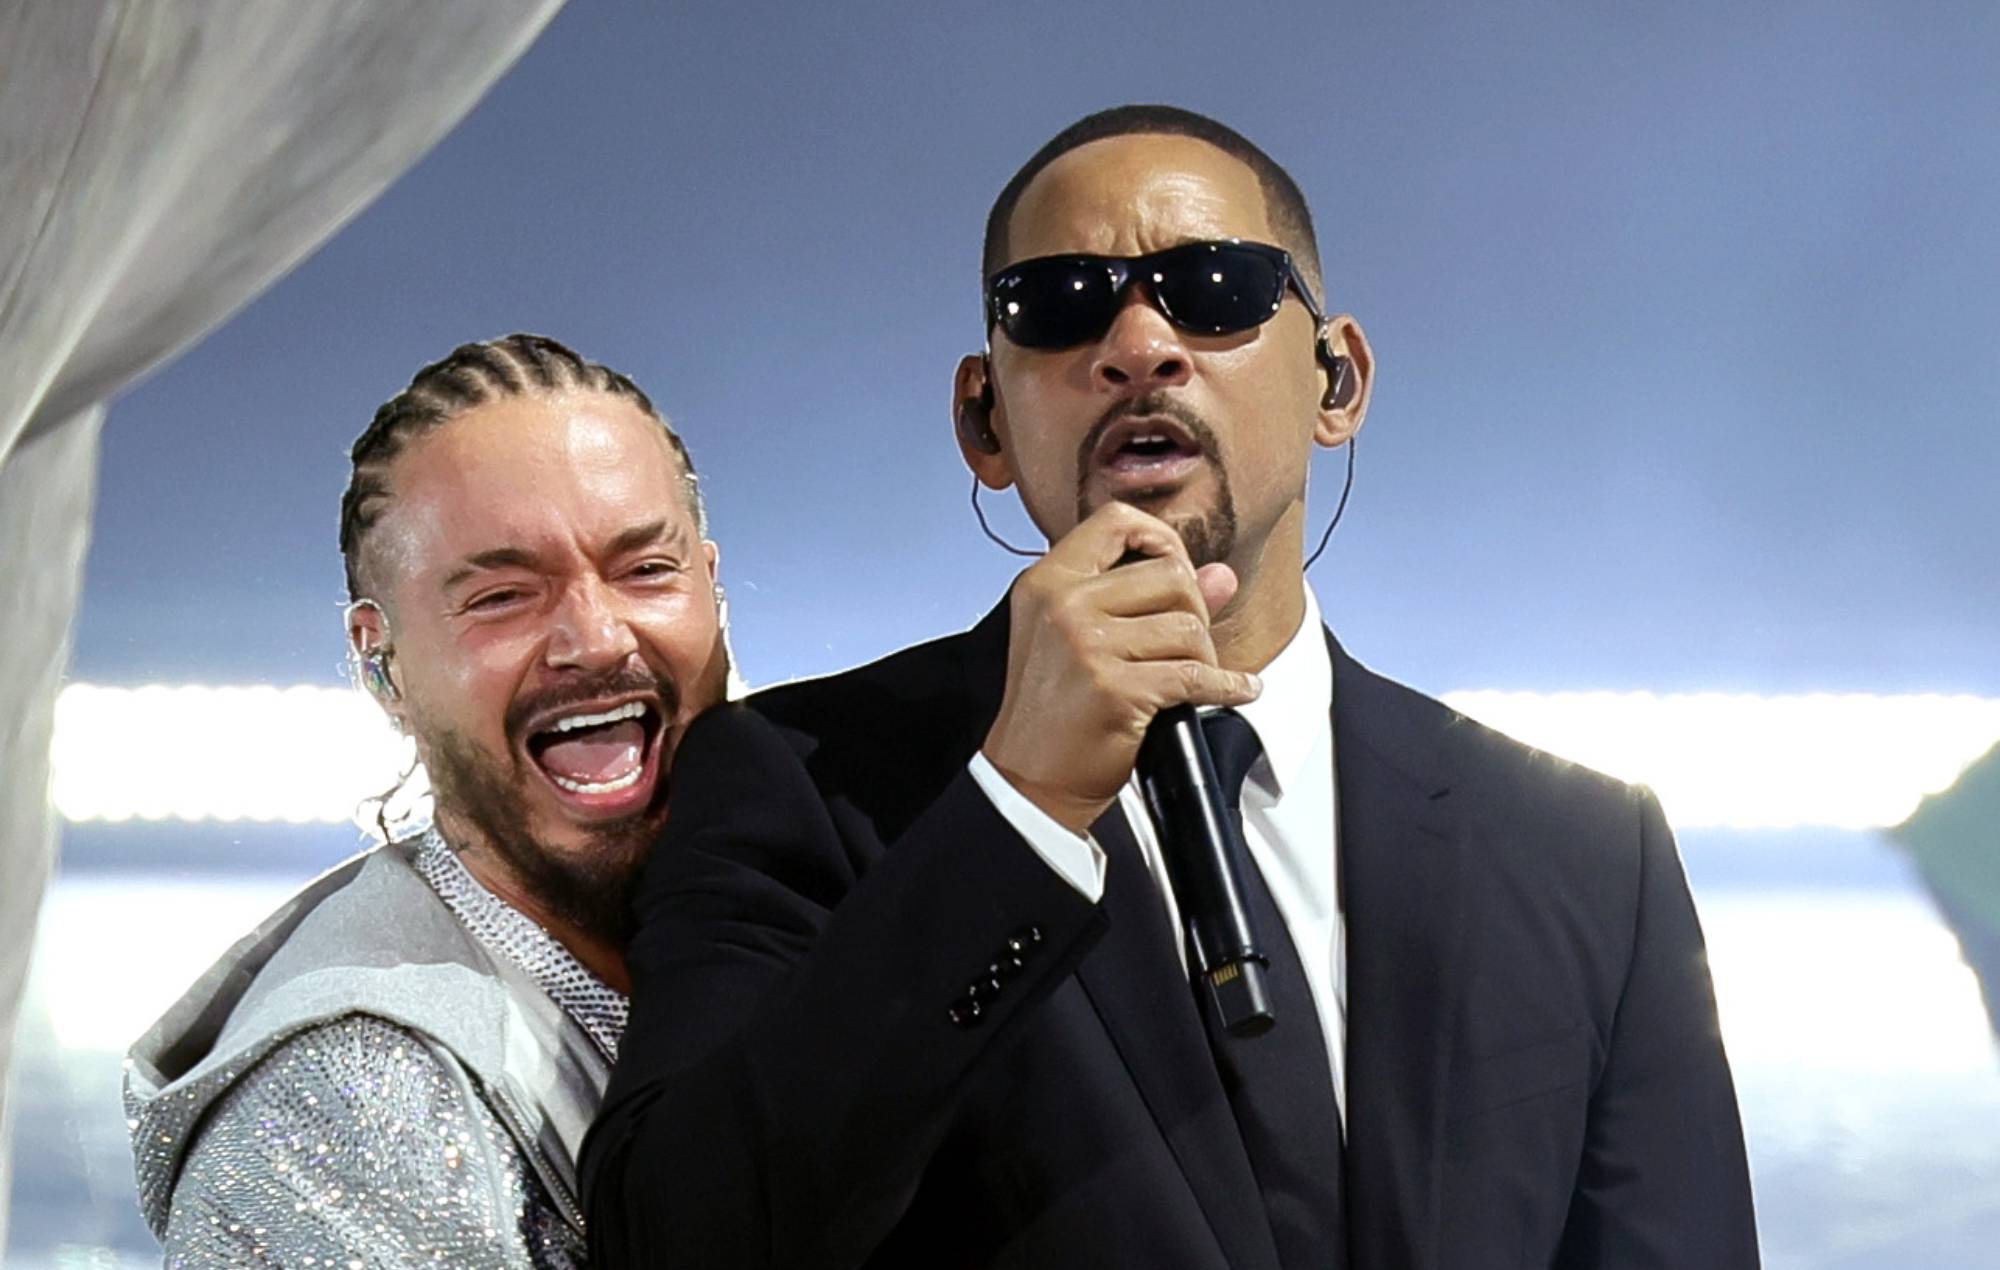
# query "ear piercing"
(371, 665)
(375, 676)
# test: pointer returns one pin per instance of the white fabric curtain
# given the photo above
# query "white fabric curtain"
(161, 162)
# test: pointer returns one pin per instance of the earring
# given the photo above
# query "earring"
(371, 665)
(375, 676)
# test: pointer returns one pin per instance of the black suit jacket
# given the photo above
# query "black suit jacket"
(1534, 1074)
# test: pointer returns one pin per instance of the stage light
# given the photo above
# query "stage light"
(1745, 761)
(1843, 982)
(1723, 760)
(256, 753)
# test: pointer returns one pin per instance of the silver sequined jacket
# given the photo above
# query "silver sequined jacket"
(394, 1068)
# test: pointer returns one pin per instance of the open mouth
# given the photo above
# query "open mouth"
(1146, 452)
(601, 762)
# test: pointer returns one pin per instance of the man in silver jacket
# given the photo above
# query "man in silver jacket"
(398, 1066)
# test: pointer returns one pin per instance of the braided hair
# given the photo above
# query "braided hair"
(473, 375)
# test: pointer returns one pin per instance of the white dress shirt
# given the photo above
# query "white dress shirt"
(1289, 825)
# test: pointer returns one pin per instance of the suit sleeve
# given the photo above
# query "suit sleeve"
(1664, 1181)
(1076, 856)
(793, 1058)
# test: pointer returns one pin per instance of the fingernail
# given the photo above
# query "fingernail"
(1256, 685)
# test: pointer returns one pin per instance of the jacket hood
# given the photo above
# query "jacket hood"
(369, 936)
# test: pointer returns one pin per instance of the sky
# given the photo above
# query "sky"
(1687, 320)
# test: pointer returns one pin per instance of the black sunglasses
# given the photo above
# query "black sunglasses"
(1208, 288)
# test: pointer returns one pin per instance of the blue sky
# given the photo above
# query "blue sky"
(1687, 319)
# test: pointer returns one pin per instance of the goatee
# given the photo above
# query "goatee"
(591, 889)
(1210, 536)
(485, 799)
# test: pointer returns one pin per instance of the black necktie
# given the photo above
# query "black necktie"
(1279, 1084)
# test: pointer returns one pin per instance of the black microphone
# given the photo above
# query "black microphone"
(1205, 857)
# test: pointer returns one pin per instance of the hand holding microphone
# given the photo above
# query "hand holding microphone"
(1109, 653)
(1095, 651)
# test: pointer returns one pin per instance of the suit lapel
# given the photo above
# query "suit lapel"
(1400, 862)
(1134, 981)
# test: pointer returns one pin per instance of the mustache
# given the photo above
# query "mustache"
(627, 679)
(1155, 404)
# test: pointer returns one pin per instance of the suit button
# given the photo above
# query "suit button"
(1024, 941)
(965, 1012)
(1007, 967)
(983, 989)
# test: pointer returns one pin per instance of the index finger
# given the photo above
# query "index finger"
(1114, 532)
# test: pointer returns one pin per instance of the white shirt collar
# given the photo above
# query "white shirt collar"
(1292, 712)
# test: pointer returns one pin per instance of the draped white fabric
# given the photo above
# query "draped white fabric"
(161, 162)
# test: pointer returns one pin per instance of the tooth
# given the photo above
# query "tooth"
(630, 710)
(626, 781)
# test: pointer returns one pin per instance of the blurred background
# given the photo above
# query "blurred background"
(1681, 463)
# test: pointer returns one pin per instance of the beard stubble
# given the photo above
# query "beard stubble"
(589, 886)
(1210, 536)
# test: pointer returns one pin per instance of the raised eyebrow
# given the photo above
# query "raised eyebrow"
(479, 561)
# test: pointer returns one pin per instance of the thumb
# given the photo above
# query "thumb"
(1218, 586)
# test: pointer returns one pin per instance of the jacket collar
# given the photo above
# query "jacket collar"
(1401, 847)
(1401, 858)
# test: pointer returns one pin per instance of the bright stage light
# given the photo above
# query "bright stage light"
(1743, 761)
(306, 754)
(1842, 980)
(260, 753)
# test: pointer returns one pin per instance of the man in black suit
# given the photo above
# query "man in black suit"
(910, 986)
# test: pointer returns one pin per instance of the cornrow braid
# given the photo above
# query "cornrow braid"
(472, 375)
